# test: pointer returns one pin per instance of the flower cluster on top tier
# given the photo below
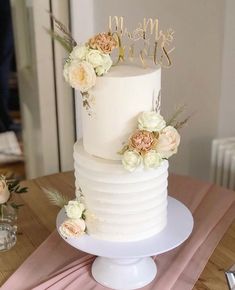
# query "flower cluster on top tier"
(87, 61)
(151, 143)
(75, 225)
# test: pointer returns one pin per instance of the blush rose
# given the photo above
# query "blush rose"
(168, 142)
(72, 228)
(80, 75)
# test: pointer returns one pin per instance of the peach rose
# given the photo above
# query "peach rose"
(72, 228)
(4, 191)
(142, 141)
(80, 75)
(104, 42)
(168, 142)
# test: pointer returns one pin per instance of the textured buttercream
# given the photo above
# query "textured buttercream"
(121, 206)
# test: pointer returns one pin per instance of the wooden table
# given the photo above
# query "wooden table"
(37, 220)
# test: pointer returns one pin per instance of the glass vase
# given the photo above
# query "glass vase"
(8, 228)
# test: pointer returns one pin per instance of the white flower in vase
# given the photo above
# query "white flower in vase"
(4, 191)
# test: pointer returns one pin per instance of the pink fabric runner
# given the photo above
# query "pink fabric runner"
(56, 266)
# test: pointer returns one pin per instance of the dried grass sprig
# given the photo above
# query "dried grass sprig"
(173, 120)
(65, 31)
(55, 197)
(180, 124)
(65, 44)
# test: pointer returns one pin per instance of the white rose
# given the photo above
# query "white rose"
(152, 159)
(151, 121)
(105, 66)
(74, 209)
(80, 75)
(72, 228)
(79, 53)
(131, 160)
(168, 142)
(100, 71)
(94, 57)
(4, 191)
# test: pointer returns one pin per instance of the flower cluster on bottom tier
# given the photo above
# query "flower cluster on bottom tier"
(120, 206)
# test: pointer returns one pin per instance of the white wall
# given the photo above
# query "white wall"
(227, 101)
(195, 78)
(82, 27)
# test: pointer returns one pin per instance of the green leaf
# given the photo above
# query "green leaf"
(17, 188)
(16, 206)
(23, 190)
(12, 184)
(20, 190)
(123, 150)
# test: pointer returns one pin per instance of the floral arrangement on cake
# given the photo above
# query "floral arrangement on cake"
(92, 59)
(85, 61)
(74, 225)
(153, 141)
(89, 60)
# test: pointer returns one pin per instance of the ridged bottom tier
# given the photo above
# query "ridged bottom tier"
(121, 206)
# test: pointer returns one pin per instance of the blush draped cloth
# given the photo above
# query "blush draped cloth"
(55, 265)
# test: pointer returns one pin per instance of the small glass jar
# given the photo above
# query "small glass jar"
(8, 228)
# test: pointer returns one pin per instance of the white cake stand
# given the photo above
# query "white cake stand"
(128, 265)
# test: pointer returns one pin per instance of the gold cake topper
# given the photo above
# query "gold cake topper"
(152, 43)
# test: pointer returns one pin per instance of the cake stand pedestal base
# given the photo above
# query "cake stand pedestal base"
(128, 265)
(124, 273)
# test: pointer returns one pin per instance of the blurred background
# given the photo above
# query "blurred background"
(41, 106)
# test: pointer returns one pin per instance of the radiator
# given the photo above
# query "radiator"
(223, 162)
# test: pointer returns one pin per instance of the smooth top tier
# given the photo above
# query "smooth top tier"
(120, 96)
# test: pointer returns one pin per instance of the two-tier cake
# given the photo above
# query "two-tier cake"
(121, 164)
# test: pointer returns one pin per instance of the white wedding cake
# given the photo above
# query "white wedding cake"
(121, 164)
(119, 203)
